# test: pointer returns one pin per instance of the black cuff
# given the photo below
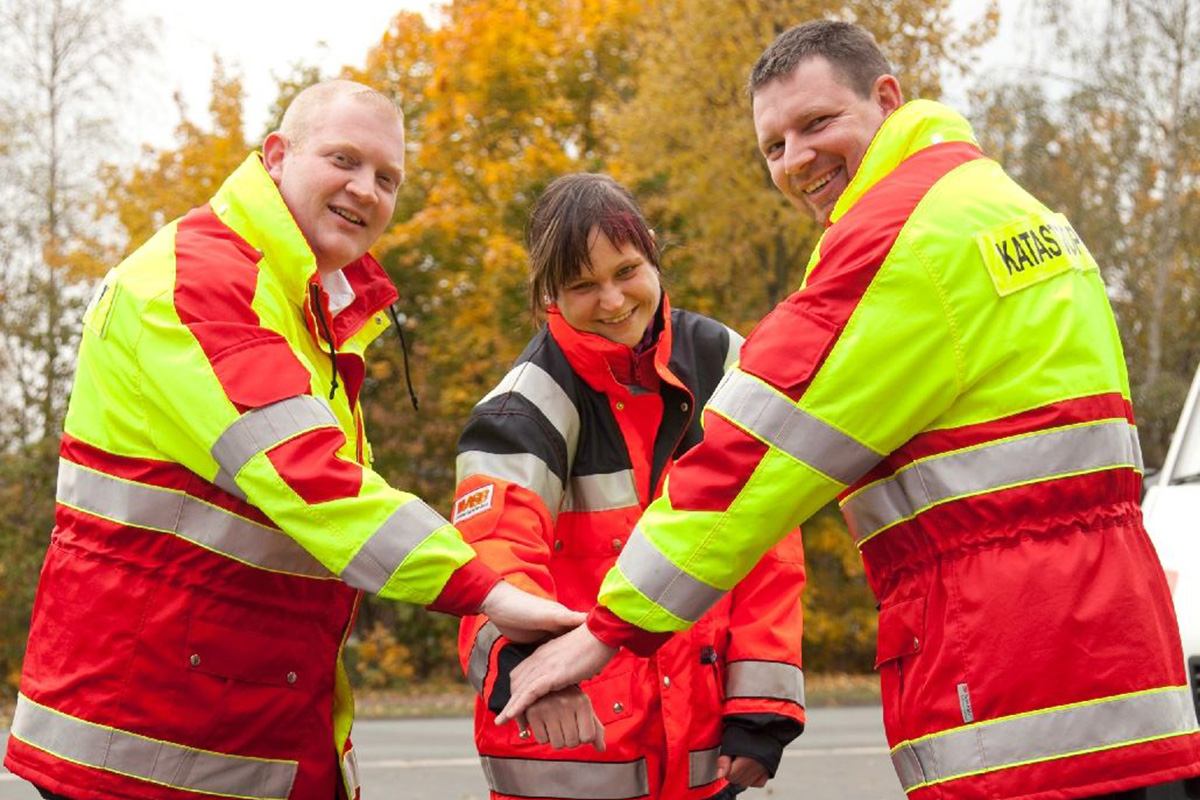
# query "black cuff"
(759, 736)
(507, 660)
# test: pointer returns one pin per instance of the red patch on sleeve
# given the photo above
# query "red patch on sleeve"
(309, 464)
(713, 473)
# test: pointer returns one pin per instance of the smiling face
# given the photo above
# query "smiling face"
(340, 180)
(616, 296)
(814, 129)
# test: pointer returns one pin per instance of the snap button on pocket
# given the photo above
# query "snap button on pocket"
(194, 660)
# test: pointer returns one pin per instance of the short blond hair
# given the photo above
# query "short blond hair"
(307, 106)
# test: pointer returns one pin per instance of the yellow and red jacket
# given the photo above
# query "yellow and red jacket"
(556, 464)
(952, 370)
(216, 522)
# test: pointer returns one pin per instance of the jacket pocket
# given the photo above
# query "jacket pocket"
(788, 346)
(245, 656)
(901, 631)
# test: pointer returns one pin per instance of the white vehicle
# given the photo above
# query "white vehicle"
(1172, 511)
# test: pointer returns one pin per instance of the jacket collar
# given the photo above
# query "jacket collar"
(908, 130)
(592, 356)
(250, 204)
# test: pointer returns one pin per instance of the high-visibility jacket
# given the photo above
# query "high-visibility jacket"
(216, 522)
(951, 368)
(555, 465)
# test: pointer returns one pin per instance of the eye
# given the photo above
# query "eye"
(773, 151)
(582, 286)
(387, 182)
(818, 123)
(627, 270)
(342, 160)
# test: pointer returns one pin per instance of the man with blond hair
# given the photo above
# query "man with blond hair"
(218, 518)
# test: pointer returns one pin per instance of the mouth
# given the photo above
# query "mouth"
(618, 319)
(820, 183)
(349, 216)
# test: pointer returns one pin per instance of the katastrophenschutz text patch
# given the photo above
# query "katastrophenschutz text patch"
(1031, 249)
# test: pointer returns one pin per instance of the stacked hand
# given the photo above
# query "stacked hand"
(524, 617)
(557, 664)
(564, 719)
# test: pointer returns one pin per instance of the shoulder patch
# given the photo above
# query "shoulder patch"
(1031, 249)
(475, 502)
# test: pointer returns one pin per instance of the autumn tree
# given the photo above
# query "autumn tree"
(1109, 136)
(66, 65)
(169, 181)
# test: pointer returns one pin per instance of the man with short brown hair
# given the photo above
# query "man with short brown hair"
(951, 371)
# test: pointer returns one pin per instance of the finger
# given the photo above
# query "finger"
(554, 728)
(598, 742)
(723, 766)
(521, 700)
(543, 730)
(586, 723)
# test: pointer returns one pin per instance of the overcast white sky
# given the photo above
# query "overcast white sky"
(256, 37)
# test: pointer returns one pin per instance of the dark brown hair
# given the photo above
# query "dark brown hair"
(557, 236)
(850, 50)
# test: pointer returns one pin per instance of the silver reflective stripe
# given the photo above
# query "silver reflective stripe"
(164, 763)
(736, 340)
(572, 780)
(350, 773)
(260, 429)
(663, 583)
(601, 492)
(769, 679)
(775, 419)
(481, 654)
(381, 555)
(539, 387)
(702, 767)
(1045, 735)
(1011, 462)
(178, 513)
(523, 469)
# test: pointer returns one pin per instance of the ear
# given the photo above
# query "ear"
(887, 94)
(275, 148)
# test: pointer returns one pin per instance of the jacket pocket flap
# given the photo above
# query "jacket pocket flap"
(788, 346)
(901, 630)
(229, 652)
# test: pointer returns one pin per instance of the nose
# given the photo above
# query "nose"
(611, 297)
(796, 155)
(361, 186)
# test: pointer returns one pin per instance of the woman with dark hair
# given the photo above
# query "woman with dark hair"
(555, 466)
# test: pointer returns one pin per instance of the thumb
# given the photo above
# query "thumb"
(723, 763)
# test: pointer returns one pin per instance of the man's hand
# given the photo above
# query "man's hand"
(557, 664)
(565, 719)
(524, 617)
(742, 771)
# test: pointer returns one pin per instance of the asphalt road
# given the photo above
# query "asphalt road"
(842, 754)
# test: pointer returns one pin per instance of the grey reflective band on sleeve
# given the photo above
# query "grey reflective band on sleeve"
(164, 763)
(771, 416)
(736, 340)
(1010, 462)
(481, 655)
(702, 767)
(1044, 736)
(539, 387)
(601, 492)
(350, 773)
(663, 583)
(171, 511)
(571, 780)
(381, 555)
(260, 429)
(773, 680)
(523, 469)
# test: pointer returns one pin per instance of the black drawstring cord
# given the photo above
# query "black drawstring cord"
(323, 324)
(412, 395)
